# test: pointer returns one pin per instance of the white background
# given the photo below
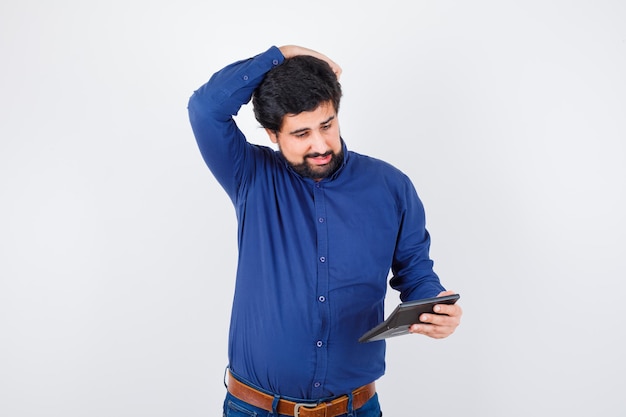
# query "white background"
(118, 248)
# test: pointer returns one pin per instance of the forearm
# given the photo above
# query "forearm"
(232, 86)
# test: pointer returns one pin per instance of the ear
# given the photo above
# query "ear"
(273, 135)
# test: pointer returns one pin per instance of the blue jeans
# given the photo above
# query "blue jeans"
(234, 407)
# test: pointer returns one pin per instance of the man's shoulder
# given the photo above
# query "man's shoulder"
(376, 165)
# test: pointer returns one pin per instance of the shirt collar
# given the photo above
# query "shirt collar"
(346, 155)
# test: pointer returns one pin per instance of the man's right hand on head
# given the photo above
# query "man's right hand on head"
(290, 51)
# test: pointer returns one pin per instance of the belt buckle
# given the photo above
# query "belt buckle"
(296, 408)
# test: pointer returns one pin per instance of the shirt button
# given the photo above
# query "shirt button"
(275, 62)
(322, 259)
(245, 78)
(321, 298)
(321, 220)
(319, 343)
(317, 385)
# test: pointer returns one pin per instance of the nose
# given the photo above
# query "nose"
(318, 143)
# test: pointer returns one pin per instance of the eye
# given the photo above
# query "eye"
(302, 135)
(326, 126)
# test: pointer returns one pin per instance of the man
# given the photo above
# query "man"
(319, 229)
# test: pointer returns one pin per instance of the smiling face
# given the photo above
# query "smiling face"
(310, 141)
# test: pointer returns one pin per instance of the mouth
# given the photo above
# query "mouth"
(320, 160)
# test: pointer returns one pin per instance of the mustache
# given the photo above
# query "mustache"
(317, 154)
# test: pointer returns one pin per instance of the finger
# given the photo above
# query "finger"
(452, 310)
(336, 68)
(437, 319)
(437, 324)
(431, 330)
(448, 309)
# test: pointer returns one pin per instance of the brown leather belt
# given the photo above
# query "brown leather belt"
(332, 408)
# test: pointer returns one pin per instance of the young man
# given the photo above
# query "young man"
(319, 229)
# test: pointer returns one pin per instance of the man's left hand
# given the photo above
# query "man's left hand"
(443, 323)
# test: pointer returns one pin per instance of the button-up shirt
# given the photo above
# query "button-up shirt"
(315, 258)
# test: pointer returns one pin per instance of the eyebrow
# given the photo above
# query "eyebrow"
(304, 129)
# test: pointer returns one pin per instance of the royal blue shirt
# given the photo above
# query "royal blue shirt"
(314, 257)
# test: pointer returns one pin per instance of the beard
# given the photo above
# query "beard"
(318, 172)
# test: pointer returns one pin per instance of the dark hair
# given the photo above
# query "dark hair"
(299, 84)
